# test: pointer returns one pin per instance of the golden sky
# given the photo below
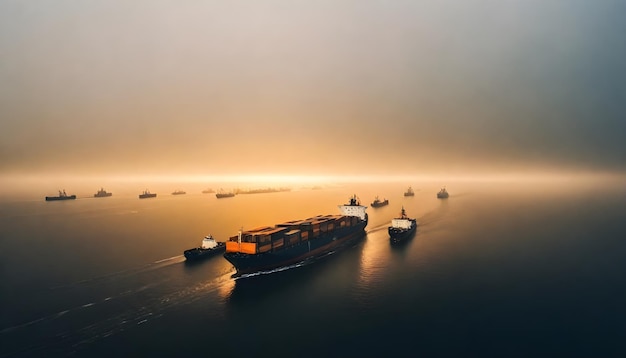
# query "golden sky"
(310, 87)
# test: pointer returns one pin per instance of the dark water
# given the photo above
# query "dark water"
(502, 270)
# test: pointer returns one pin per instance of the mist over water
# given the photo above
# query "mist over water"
(110, 87)
(497, 269)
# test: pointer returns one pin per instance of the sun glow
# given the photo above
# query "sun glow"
(278, 179)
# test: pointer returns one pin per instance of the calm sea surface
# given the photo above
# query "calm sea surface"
(498, 269)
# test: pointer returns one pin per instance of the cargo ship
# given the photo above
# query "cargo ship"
(377, 203)
(178, 192)
(62, 196)
(409, 192)
(401, 227)
(102, 193)
(267, 248)
(147, 194)
(223, 194)
(208, 191)
(443, 193)
(262, 191)
(209, 248)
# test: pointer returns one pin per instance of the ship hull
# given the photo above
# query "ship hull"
(397, 235)
(56, 198)
(145, 196)
(379, 205)
(198, 253)
(102, 195)
(220, 196)
(326, 242)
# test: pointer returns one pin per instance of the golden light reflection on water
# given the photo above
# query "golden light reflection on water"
(226, 286)
(374, 256)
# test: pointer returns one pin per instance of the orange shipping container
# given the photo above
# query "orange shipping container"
(232, 246)
(248, 248)
(278, 243)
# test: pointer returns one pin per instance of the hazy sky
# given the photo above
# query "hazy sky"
(311, 87)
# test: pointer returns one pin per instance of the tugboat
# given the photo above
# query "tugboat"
(401, 228)
(223, 194)
(146, 194)
(209, 248)
(409, 192)
(443, 194)
(270, 247)
(178, 192)
(62, 196)
(377, 203)
(102, 193)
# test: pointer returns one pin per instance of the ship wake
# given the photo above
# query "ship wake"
(98, 319)
(302, 263)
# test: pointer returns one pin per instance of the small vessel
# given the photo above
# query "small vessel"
(208, 191)
(147, 194)
(178, 192)
(62, 196)
(401, 227)
(409, 192)
(223, 194)
(377, 203)
(209, 248)
(287, 243)
(102, 193)
(443, 193)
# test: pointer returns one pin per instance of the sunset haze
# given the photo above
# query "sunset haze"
(301, 88)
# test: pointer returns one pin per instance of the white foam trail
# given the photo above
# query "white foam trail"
(119, 321)
(132, 271)
(283, 268)
(168, 259)
(377, 228)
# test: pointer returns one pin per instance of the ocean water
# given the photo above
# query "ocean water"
(497, 270)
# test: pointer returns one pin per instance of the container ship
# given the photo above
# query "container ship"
(271, 247)
(62, 196)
